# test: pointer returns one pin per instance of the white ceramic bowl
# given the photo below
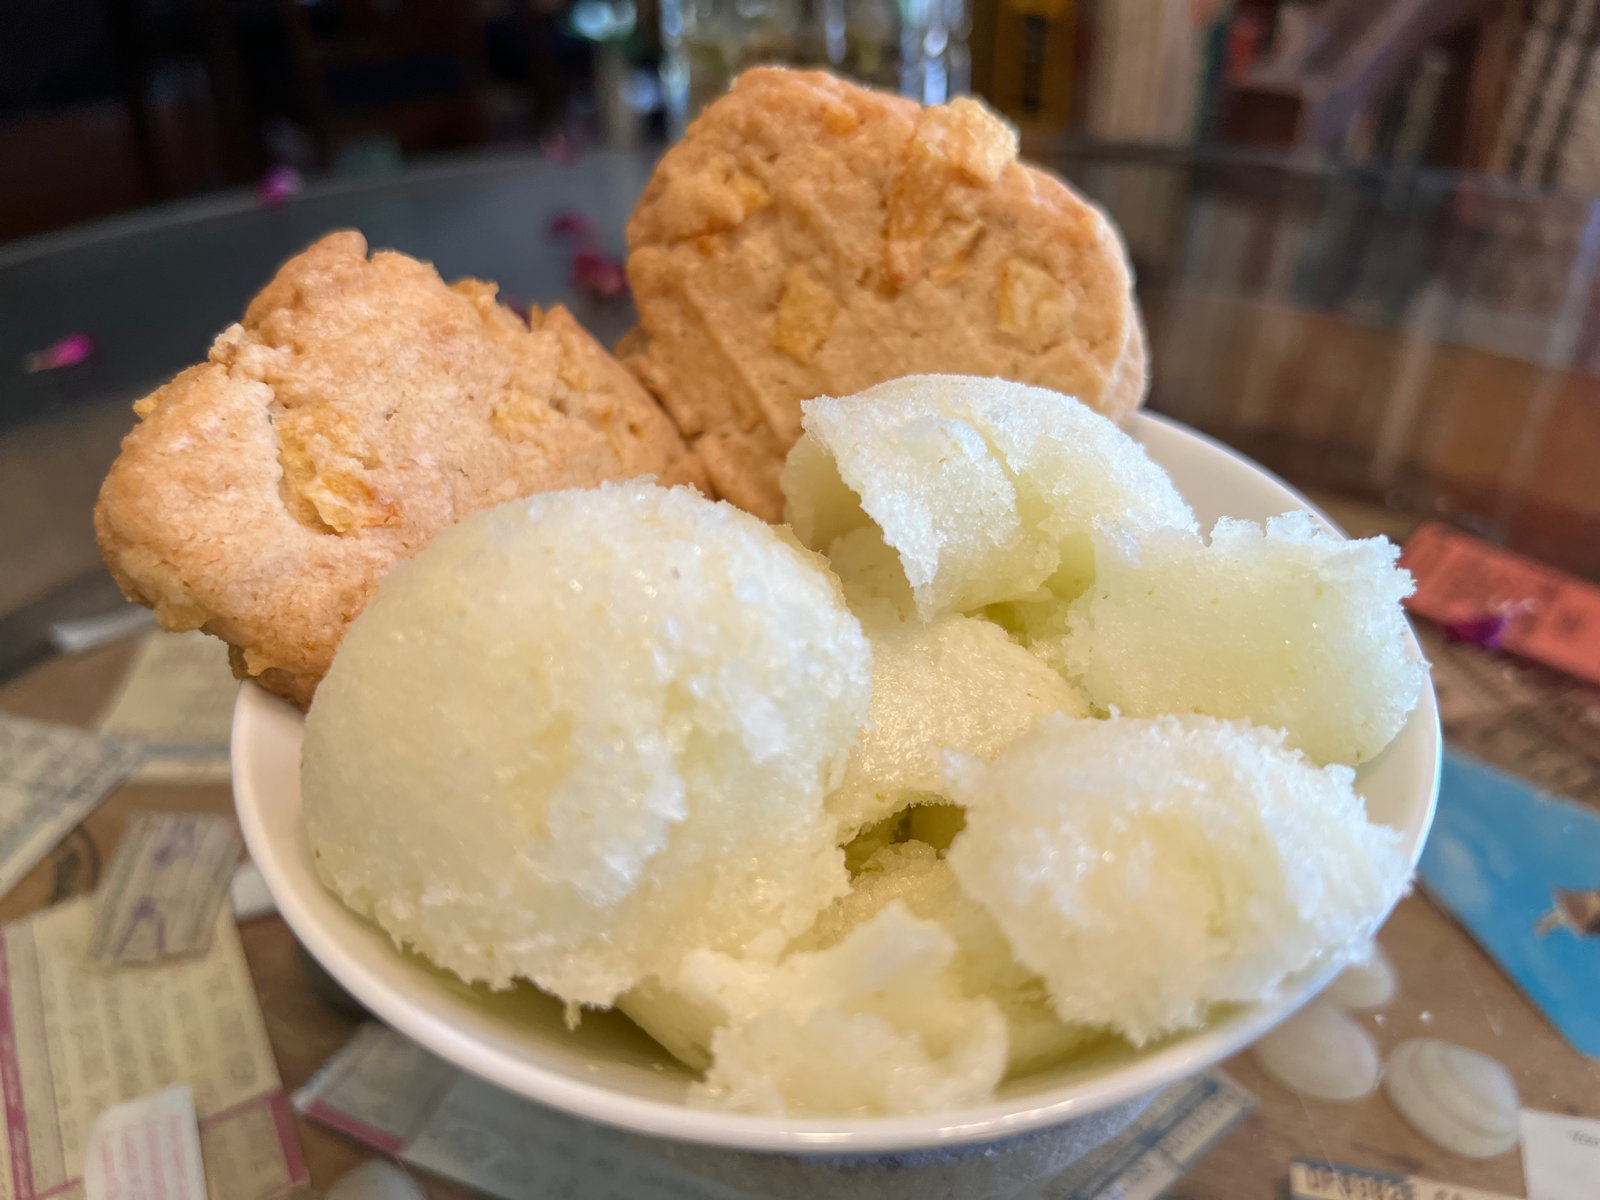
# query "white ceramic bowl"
(610, 1072)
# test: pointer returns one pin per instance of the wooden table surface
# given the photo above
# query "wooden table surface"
(1448, 988)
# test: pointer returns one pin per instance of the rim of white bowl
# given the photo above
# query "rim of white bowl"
(1185, 1055)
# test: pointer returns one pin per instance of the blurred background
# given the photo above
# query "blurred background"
(107, 105)
(1365, 231)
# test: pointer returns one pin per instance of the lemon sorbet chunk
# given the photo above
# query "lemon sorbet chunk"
(987, 491)
(1149, 869)
(1289, 626)
(982, 966)
(874, 1025)
(955, 683)
(584, 732)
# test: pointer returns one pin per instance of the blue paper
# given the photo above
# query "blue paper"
(1500, 852)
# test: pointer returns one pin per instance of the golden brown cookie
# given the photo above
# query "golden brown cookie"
(360, 407)
(810, 237)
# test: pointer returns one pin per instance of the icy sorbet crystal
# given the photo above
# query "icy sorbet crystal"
(874, 1024)
(582, 733)
(1287, 625)
(1149, 869)
(955, 683)
(987, 491)
(685, 1017)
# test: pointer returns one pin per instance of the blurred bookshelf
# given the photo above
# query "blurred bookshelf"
(1503, 87)
(1366, 233)
(1427, 340)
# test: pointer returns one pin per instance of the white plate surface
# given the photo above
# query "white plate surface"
(608, 1071)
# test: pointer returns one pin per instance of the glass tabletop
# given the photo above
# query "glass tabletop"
(1401, 347)
(1425, 340)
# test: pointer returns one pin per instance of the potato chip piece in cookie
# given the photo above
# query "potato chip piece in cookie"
(361, 406)
(810, 237)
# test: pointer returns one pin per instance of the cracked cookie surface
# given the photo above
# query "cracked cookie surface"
(360, 406)
(811, 237)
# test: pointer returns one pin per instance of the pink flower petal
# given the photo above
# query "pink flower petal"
(277, 185)
(598, 275)
(1486, 629)
(67, 352)
(558, 147)
(569, 224)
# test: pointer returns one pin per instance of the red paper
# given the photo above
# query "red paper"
(1550, 616)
